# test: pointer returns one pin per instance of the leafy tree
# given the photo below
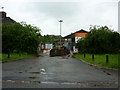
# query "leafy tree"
(49, 39)
(100, 40)
(20, 37)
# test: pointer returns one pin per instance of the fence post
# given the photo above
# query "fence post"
(84, 55)
(8, 55)
(107, 59)
(93, 57)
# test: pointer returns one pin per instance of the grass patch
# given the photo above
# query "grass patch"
(100, 59)
(15, 56)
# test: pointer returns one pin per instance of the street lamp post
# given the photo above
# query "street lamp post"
(60, 30)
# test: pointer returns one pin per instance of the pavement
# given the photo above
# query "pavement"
(56, 72)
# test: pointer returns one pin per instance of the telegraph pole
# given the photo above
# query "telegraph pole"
(60, 30)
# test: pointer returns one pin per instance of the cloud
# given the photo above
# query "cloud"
(75, 15)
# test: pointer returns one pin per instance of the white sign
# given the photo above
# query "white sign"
(48, 46)
(75, 50)
(77, 38)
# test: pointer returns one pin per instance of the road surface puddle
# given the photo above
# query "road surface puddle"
(36, 81)
(32, 77)
(20, 72)
(11, 78)
(34, 72)
(107, 73)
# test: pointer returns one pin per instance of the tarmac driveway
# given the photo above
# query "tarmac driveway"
(56, 72)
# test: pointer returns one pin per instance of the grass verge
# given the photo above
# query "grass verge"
(15, 56)
(100, 59)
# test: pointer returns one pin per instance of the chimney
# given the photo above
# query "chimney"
(2, 14)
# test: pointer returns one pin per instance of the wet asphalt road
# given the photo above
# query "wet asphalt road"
(56, 72)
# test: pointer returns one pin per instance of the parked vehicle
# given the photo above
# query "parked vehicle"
(59, 51)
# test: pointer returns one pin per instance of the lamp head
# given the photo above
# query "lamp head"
(61, 21)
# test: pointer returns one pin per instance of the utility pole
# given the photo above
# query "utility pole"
(60, 30)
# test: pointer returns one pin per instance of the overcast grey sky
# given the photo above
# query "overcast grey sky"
(76, 14)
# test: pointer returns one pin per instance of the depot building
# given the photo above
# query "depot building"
(74, 37)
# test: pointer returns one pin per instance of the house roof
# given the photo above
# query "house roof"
(73, 34)
(4, 19)
(81, 31)
(7, 20)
